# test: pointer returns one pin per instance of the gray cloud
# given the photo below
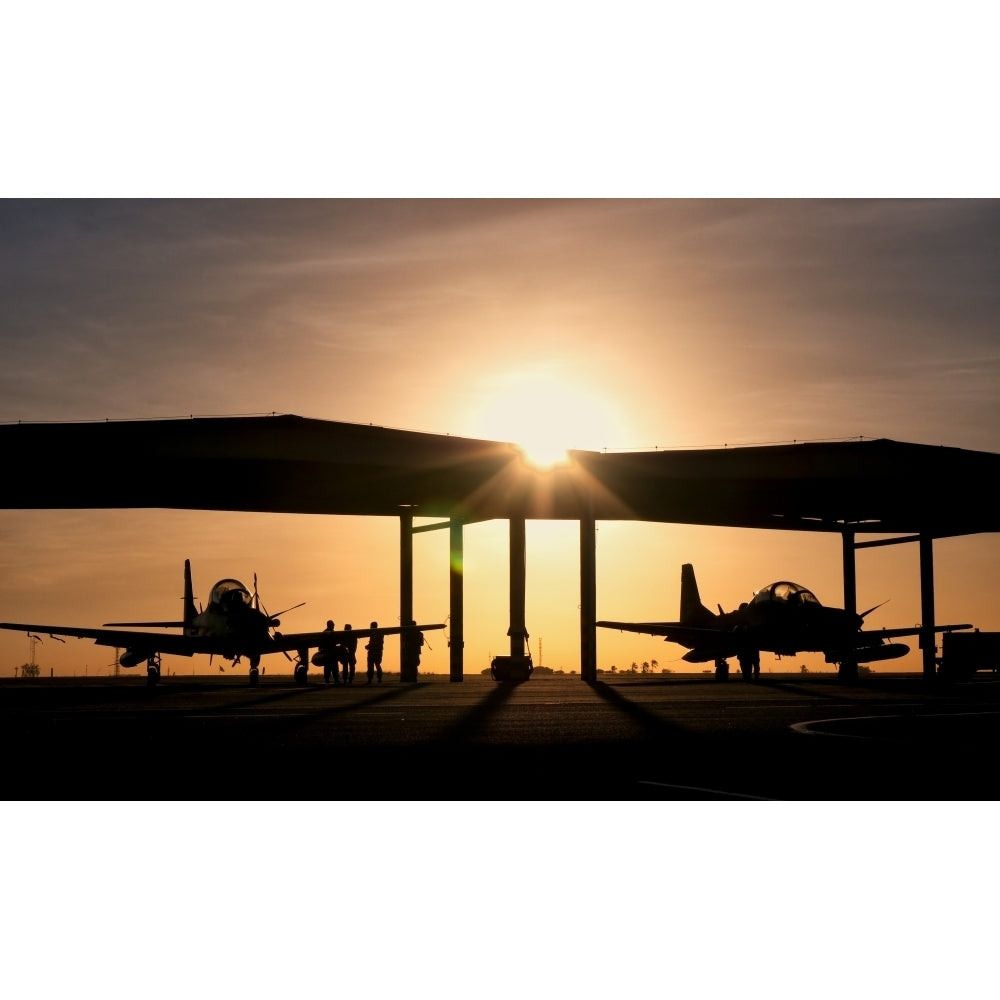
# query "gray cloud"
(118, 307)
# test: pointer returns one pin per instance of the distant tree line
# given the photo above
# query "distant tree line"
(646, 667)
(547, 671)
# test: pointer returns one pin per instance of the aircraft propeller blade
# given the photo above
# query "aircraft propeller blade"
(271, 618)
(292, 608)
(258, 605)
(865, 614)
(284, 652)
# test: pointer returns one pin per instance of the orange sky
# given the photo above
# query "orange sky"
(596, 324)
(347, 569)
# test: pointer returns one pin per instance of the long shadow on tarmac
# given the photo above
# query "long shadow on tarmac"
(653, 726)
(473, 721)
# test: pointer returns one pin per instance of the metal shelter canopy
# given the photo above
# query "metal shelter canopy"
(292, 464)
(876, 486)
(282, 464)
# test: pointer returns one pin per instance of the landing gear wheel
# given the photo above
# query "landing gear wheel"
(152, 676)
(848, 671)
(254, 677)
(300, 673)
(722, 670)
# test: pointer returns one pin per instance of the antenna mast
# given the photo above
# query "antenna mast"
(31, 668)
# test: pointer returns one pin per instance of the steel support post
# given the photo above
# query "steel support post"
(927, 647)
(588, 598)
(456, 644)
(850, 574)
(518, 632)
(848, 669)
(407, 671)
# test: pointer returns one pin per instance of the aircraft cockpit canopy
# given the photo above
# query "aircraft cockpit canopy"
(784, 592)
(230, 594)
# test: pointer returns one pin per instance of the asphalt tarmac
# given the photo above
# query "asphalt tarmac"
(676, 737)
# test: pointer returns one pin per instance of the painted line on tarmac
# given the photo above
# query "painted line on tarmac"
(803, 727)
(806, 727)
(709, 791)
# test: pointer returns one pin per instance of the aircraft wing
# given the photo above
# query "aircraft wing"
(189, 645)
(689, 635)
(704, 644)
(301, 640)
(707, 644)
(179, 645)
(684, 635)
(876, 635)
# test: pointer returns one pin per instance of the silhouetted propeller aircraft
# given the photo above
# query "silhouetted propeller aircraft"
(232, 626)
(781, 618)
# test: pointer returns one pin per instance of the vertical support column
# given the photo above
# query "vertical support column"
(588, 598)
(926, 546)
(850, 574)
(457, 601)
(848, 669)
(407, 671)
(518, 632)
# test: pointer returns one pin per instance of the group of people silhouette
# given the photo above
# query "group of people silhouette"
(342, 655)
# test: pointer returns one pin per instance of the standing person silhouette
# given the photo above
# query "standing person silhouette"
(375, 645)
(350, 661)
(332, 655)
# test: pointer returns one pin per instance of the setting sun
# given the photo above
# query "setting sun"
(546, 417)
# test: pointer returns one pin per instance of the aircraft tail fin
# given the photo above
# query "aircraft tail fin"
(189, 608)
(693, 612)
